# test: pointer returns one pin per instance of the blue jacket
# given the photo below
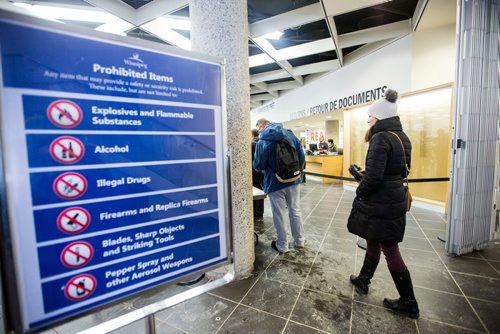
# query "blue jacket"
(265, 155)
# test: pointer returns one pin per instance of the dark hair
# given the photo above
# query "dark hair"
(391, 95)
(330, 141)
(368, 134)
(255, 132)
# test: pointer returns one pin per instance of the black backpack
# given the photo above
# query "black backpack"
(287, 162)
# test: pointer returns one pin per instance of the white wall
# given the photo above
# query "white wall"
(421, 60)
(389, 66)
(433, 57)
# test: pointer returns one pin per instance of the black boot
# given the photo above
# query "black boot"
(406, 304)
(362, 281)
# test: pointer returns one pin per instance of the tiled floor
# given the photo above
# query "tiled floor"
(309, 292)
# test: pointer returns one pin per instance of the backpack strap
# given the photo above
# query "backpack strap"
(404, 154)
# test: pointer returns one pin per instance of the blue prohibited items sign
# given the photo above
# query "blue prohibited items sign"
(119, 157)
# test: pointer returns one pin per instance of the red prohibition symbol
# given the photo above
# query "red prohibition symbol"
(64, 114)
(77, 254)
(80, 287)
(73, 220)
(70, 185)
(67, 150)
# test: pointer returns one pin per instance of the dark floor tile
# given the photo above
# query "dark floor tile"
(329, 281)
(235, 290)
(495, 265)
(341, 233)
(274, 297)
(93, 319)
(262, 260)
(140, 327)
(432, 224)
(479, 287)
(288, 272)
(302, 255)
(371, 319)
(325, 213)
(416, 243)
(491, 253)
(428, 216)
(317, 221)
(318, 230)
(336, 261)
(156, 294)
(380, 288)
(438, 246)
(323, 311)
(433, 234)
(261, 226)
(248, 320)
(204, 314)
(344, 209)
(332, 243)
(339, 223)
(431, 327)
(294, 328)
(437, 279)
(488, 312)
(413, 231)
(313, 241)
(469, 265)
(447, 308)
(341, 215)
(420, 258)
(327, 206)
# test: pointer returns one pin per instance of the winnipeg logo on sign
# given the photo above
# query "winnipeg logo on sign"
(136, 61)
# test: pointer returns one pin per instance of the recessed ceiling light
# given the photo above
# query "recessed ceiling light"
(273, 35)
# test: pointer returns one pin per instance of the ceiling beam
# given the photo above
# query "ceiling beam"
(158, 8)
(305, 49)
(370, 35)
(267, 76)
(144, 14)
(324, 66)
(286, 85)
(261, 97)
(336, 7)
(332, 28)
(366, 50)
(294, 18)
(417, 15)
(117, 8)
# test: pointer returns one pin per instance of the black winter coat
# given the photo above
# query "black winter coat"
(379, 209)
(257, 176)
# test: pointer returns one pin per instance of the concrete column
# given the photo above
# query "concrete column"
(220, 28)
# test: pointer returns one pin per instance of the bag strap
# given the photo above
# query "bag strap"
(404, 154)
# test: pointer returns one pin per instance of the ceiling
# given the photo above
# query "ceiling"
(318, 36)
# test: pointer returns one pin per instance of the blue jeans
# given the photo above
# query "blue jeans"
(282, 200)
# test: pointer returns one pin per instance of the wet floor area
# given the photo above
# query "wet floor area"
(308, 291)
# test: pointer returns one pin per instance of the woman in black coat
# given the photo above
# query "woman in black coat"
(379, 210)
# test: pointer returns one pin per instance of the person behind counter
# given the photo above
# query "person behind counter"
(322, 145)
(332, 148)
(379, 209)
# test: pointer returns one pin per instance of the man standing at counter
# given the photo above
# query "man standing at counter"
(323, 145)
(283, 196)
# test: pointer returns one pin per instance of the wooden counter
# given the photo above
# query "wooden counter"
(325, 164)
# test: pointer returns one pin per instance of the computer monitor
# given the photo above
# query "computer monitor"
(313, 147)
